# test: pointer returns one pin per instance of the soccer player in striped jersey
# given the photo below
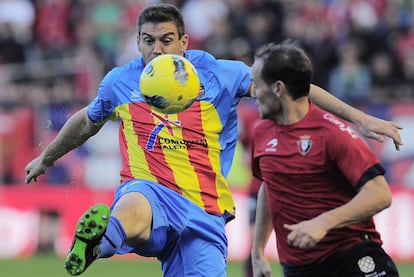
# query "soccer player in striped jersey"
(321, 183)
(173, 201)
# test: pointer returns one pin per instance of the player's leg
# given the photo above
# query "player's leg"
(88, 235)
(196, 257)
(201, 248)
(134, 212)
(187, 240)
(369, 258)
(101, 235)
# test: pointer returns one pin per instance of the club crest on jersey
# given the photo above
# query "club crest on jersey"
(304, 144)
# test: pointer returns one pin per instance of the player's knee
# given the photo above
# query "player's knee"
(134, 212)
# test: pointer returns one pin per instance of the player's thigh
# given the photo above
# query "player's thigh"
(370, 259)
(201, 248)
(196, 258)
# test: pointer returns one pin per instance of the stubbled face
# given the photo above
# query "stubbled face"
(160, 38)
(266, 99)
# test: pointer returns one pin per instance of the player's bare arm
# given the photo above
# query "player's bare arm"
(74, 133)
(373, 197)
(369, 126)
(263, 229)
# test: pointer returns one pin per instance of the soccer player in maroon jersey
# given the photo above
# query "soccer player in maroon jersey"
(321, 182)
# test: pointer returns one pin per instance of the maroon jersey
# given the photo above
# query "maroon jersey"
(311, 167)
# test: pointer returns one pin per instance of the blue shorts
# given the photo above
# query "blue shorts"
(187, 240)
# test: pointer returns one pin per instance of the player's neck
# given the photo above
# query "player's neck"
(294, 111)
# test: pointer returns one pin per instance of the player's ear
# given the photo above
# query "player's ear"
(184, 42)
(277, 88)
(138, 42)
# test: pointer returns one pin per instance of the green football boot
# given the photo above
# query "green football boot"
(89, 232)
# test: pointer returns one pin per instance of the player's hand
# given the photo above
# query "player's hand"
(305, 234)
(34, 169)
(376, 128)
(261, 267)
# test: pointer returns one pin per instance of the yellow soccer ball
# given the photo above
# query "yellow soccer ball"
(169, 84)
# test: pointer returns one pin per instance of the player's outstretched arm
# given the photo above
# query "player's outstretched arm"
(74, 133)
(369, 126)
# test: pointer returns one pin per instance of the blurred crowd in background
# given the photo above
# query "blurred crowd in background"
(53, 53)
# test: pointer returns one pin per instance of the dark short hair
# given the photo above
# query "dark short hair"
(289, 63)
(161, 13)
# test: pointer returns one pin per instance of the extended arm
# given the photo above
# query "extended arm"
(263, 229)
(373, 197)
(75, 132)
(368, 125)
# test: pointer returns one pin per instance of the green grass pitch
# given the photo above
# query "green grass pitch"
(45, 266)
